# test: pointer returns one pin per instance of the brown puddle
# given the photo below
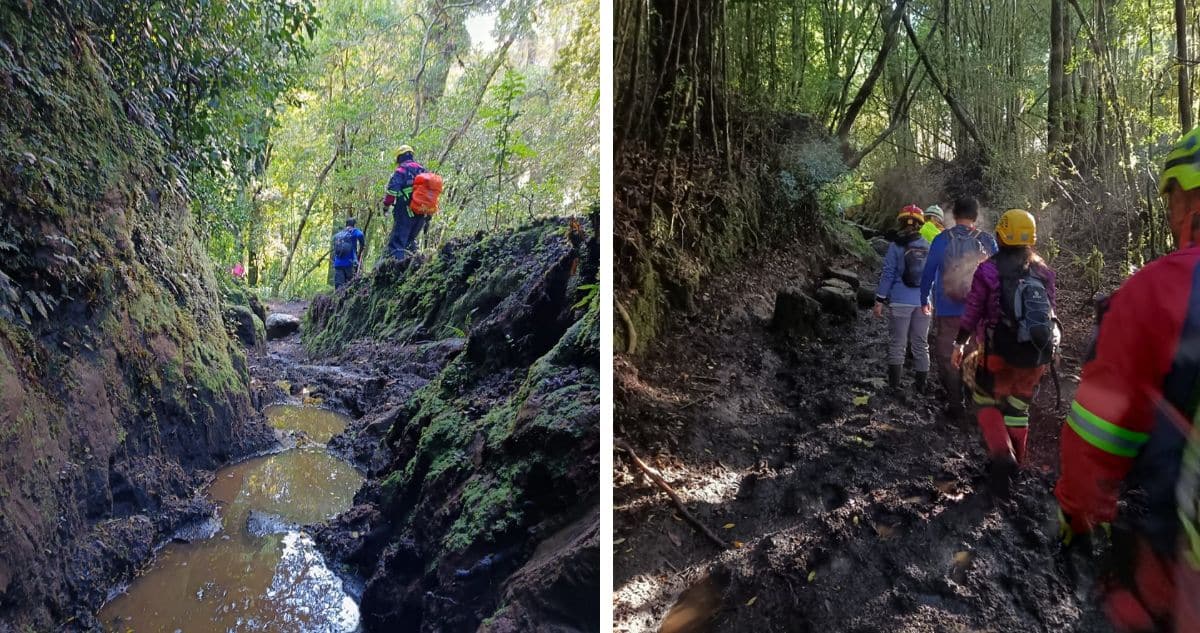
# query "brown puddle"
(236, 581)
(319, 425)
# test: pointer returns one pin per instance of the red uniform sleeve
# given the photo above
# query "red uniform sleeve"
(1113, 412)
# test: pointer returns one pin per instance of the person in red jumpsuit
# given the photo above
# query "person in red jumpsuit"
(1130, 433)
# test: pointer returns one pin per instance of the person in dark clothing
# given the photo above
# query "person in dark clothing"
(406, 225)
(954, 254)
(347, 250)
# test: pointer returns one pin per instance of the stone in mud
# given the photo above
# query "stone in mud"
(795, 312)
(880, 245)
(866, 296)
(198, 530)
(834, 282)
(245, 325)
(262, 523)
(845, 275)
(839, 302)
(280, 325)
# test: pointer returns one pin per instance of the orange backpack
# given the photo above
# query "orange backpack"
(426, 189)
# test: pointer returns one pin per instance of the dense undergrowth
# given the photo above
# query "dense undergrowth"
(682, 219)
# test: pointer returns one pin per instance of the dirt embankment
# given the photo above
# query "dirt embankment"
(474, 378)
(851, 511)
(119, 386)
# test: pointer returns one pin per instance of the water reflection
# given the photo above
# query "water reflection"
(239, 582)
(318, 424)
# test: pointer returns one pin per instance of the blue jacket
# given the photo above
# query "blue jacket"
(358, 240)
(399, 188)
(891, 282)
(943, 306)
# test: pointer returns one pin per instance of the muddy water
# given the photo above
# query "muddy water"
(258, 572)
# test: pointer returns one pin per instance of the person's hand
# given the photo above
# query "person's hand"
(927, 309)
(956, 356)
(878, 309)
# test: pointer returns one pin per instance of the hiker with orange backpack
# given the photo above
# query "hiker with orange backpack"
(899, 290)
(953, 257)
(413, 194)
(1131, 434)
(1010, 312)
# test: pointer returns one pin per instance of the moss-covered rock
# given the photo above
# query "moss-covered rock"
(500, 450)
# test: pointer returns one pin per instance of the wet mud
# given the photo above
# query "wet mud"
(848, 509)
(256, 568)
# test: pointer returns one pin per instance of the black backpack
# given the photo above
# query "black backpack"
(914, 265)
(1028, 332)
(343, 244)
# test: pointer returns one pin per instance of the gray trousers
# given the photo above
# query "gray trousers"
(908, 325)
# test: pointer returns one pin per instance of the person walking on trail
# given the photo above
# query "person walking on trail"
(935, 223)
(1010, 312)
(899, 287)
(1131, 432)
(347, 253)
(953, 257)
(406, 225)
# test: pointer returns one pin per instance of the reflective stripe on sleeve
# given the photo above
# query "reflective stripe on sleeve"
(1105, 435)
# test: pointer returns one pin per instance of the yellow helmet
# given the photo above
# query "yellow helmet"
(1183, 163)
(405, 149)
(1017, 228)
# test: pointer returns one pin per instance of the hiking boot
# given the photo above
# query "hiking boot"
(1001, 471)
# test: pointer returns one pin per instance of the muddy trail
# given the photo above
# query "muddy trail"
(251, 562)
(845, 508)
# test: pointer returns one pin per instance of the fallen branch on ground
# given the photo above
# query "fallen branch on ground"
(650, 472)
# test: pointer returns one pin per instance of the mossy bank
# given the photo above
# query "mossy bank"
(482, 508)
(120, 387)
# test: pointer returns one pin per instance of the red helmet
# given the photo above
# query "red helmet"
(913, 212)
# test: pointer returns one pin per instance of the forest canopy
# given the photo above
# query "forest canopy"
(499, 98)
(1066, 104)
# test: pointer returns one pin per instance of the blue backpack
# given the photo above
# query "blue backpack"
(343, 244)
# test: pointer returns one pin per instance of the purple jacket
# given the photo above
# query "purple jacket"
(982, 309)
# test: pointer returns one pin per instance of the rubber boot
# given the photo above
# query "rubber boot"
(1001, 461)
(1017, 435)
(919, 381)
(894, 374)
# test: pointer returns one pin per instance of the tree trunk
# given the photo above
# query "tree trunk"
(955, 107)
(1181, 52)
(312, 198)
(868, 85)
(498, 60)
(1054, 103)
